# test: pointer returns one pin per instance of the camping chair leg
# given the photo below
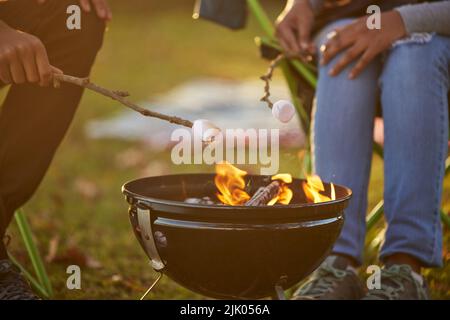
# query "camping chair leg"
(375, 215)
(261, 17)
(447, 167)
(378, 150)
(445, 219)
(373, 246)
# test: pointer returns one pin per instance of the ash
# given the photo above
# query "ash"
(204, 200)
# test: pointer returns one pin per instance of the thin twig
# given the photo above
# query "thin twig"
(119, 96)
(267, 77)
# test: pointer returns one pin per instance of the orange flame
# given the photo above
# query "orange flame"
(312, 188)
(230, 182)
(285, 195)
(285, 177)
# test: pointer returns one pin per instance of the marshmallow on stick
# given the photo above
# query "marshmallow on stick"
(205, 129)
(283, 110)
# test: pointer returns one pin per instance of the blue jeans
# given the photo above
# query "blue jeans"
(412, 80)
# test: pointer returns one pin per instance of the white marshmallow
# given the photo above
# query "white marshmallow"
(205, 129)
(283, 110)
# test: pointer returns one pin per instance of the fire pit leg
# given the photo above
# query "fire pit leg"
(279, 293)
(152, 286)
(145, 224)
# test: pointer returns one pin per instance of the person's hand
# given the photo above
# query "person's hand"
(23, 58)
(361, 43)
(101, 7)
(294, 26)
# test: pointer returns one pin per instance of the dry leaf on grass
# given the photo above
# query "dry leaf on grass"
(87, 189)
(73, 255)
(130, 158)
(155, 168)
(52, 249)
(119, 280)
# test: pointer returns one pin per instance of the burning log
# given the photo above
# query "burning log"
(264, 195)
(231, 184)
(231, 187)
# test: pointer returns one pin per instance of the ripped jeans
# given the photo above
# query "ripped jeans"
(412, 80)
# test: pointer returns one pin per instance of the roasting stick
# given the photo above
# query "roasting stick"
(119, 96)
(267, 77)
(282, 110)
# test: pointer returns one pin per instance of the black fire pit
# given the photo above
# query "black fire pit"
(231, 252)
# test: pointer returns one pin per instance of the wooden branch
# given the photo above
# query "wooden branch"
(267, 77)
(264, 194)
(118, 96)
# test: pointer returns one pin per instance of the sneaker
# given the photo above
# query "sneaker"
(12, 284)
(399, 282)
(335, 279)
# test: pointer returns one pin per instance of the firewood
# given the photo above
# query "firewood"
(264, 194)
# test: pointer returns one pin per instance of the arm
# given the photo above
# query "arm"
(426, 17)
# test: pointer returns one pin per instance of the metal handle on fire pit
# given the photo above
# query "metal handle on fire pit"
(145, 224)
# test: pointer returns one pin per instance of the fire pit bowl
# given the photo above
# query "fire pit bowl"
(231, 252)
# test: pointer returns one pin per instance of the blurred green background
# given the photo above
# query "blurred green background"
(79, 215)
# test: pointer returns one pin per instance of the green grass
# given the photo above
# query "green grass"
(149, 48)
